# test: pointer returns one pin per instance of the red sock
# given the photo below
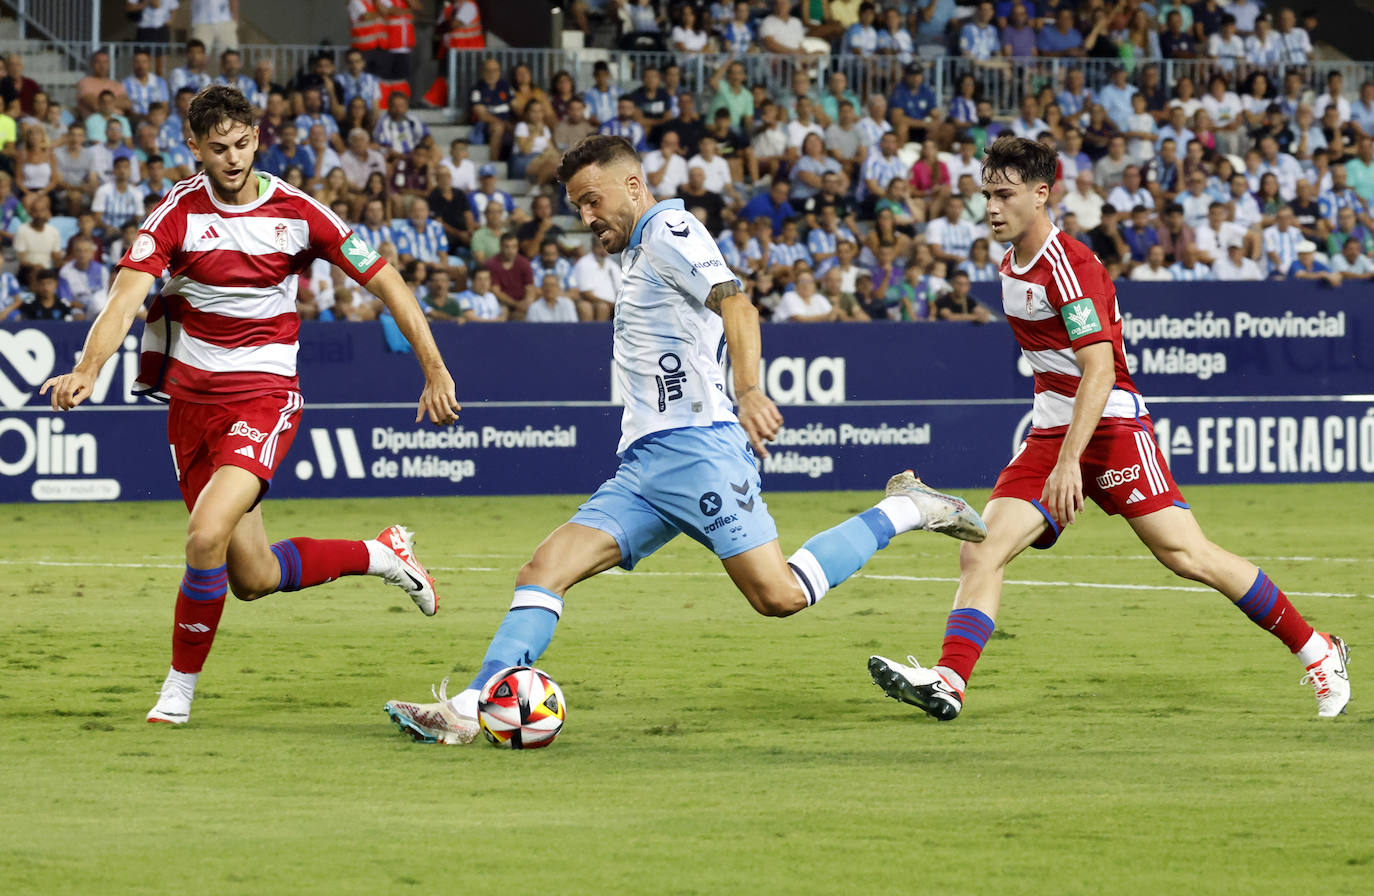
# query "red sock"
(306, 562)
(200, 601)
(966, 634)
(1268, 607)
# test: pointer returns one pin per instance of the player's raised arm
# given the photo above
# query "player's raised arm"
(439, 399)
(758, 414)
(127, 293)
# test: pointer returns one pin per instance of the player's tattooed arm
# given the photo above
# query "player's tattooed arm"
(719, 293)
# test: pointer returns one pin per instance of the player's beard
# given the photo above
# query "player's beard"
(227, 190)
(620, 232)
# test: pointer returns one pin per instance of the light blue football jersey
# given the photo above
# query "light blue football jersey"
(668, 347)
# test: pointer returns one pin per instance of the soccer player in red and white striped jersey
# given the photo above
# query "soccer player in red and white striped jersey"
(220, 346)
(1091, 434)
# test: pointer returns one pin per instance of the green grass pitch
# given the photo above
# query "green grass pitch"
(1123, 734)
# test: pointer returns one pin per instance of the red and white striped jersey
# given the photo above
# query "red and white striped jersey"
(226, 323)
(1062, 301)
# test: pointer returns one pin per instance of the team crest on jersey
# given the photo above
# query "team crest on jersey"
(142, 247)
(280, 234)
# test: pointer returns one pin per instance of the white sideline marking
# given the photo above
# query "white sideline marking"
(1107, 586)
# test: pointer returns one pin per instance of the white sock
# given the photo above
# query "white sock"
(809, 575)
(902, 512)
(465, 703)
(380, 558)
(1315, 648)
(954, 679)
(187, 680)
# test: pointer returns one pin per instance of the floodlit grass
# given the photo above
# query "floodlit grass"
(1138, 741)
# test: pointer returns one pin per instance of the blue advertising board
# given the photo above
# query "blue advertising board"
(1269, 384)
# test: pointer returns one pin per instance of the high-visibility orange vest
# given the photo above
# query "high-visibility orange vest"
(400, 28)
(460, 36)
(370, 35)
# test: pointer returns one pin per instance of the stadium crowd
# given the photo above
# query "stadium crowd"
(839, 200)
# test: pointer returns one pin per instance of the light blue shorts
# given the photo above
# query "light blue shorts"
(701, 480)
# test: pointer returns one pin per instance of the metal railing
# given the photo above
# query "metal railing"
(287, 59)
(1002, 81)
(73, 25)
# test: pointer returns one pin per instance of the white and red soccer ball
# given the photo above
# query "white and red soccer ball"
(521, 708)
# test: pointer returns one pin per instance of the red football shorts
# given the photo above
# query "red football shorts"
(1124, 472)
(253, 433)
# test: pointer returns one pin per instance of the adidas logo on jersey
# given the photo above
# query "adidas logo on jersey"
(246, 451)
(1135, 496)
(210, 233)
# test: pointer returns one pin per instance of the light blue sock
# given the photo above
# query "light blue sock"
(832, 556)
(524, 634)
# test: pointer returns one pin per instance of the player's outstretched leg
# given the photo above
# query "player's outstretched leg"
(832, 556)
(572, 553)
(1012, 526)
(1175, 538)
(306, 562)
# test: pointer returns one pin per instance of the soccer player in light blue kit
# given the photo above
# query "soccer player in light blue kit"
(687, 460)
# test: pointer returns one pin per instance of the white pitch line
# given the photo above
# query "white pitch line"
(1107, 586)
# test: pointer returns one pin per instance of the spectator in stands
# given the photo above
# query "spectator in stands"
(325, 157)
(105, 113)
(1294, 44)
(878, 170)
(1282, 165)
(231, 74)
(1307, 267)
(486, 240)
(114, 147)
(550, 261)
(914, 109)
(979, 40)
(524, 91)
(355, 81)
(155, 182)
(118, 201)
(733, 95)
(951, 237)
(1235, 265)
(534, 156)
(1281, 241)
(1115, 98)
(154, 32)
(264, 83)
(360, 160)
(192, 75)
(1061, 38)
(652, 103)
(1350, 264)
(596, 277)
(15, 84)
(772, 205)
(1175, 234)
(83, 282)
(893, 38)
(1212, 237)
(804, 304)
(803, 123)
(552, 305)
(144, 86)
(287, 153)
(784, 254)
(1139, 234)
(1084, 201)
(768, 149)
(1349, 228)
(641, 27)
(214, 25)
(489, 108)
(959, 304)
(76, 174)
(1154, 269)
(981, 267)
(1307, 213)
(686, 124)
(1028, 124)
(930, 182)
(861, 38)
(686, 37)
(573, 126)
(36, 167)
(512, 280)
(539, 227)
(562, 91)
(603, 97)
(1130, 193)
(480, 304)
(374, 228)
(1109, 170)
(487, 193)
(96, 82)
(1176, 41)
(625, 124)
(315, 116)
(831, 194)
(451, 208)
(421, 238)
(1190, 267)
(44, 303)
(1163, 174)
(37, 242)
(781, 32)
(399, 131)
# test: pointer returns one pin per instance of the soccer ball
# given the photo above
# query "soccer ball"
(521, 708)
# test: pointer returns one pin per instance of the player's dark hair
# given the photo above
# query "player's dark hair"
(595, 149)
(219, 107)
(1030, 161)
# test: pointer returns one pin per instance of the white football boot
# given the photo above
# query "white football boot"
(1330, 679)
(943, 513)
(433, 723)
(407, 573)
(173, 701)
(929, 689)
